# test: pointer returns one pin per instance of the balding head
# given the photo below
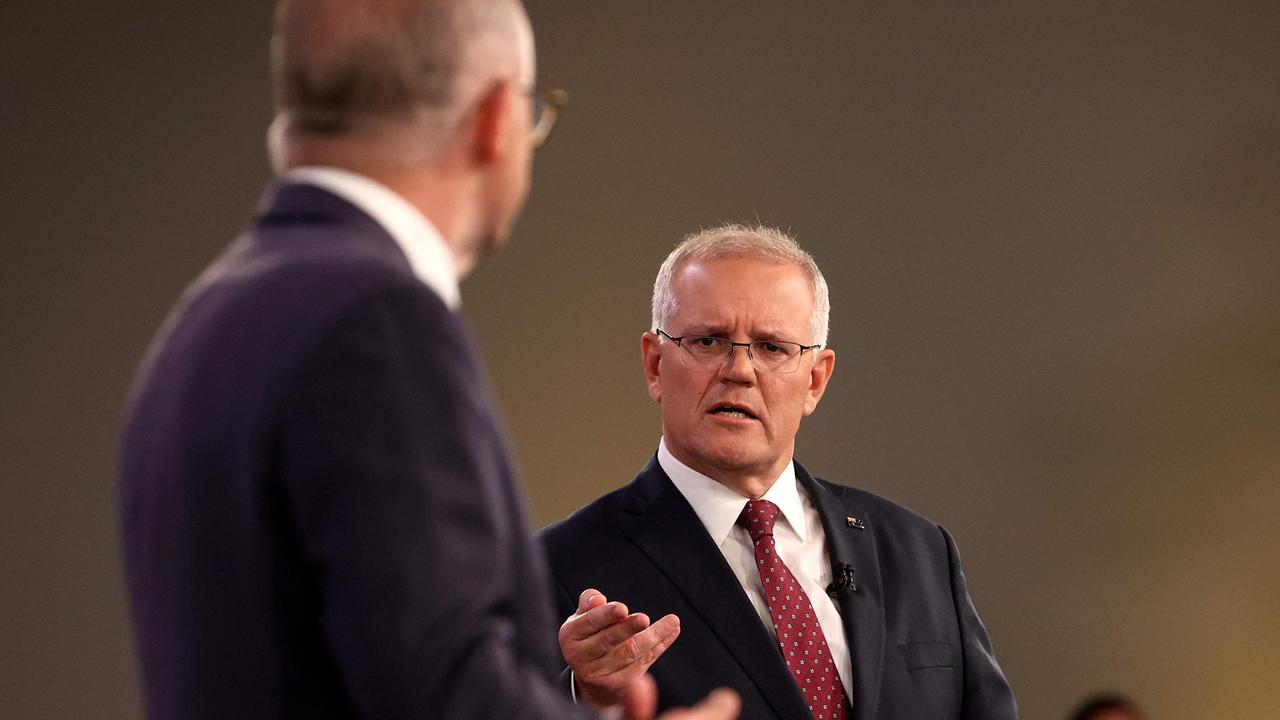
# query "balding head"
(401, 71)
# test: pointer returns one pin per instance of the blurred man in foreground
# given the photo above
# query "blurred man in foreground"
(807, 597)
(318, 512)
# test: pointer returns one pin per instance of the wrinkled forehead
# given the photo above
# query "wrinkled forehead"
(758, 296)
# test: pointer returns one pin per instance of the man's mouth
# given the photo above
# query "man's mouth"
(733, 411)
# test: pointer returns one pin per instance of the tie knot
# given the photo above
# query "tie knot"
(757, 517)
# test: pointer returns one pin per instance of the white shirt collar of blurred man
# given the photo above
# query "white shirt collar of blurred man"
(422, 244)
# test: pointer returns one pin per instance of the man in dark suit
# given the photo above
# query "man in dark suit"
(807, 597)
(318, 513)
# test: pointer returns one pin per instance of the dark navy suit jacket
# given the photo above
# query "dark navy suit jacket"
(318, 513)
(919, 650)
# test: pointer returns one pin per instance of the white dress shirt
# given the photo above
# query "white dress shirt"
(431, 259)
(798, 535)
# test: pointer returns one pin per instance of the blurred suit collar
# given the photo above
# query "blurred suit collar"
(431, 259)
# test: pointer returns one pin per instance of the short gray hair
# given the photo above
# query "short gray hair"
(358, 66)
(750, 241)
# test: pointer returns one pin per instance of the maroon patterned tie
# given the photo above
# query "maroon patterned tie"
(804, 647)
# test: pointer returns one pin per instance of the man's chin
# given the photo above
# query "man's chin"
(734, 457)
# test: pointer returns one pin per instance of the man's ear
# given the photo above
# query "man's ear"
(651, 360)
(491, 137)
(824, 363)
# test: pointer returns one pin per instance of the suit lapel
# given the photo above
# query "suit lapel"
(665, 528)
(851, 540)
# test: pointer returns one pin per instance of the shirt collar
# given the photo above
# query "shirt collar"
(718, 506)
(428, 254)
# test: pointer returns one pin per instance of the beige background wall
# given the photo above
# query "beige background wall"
(1052, 232)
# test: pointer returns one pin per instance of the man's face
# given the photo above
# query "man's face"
(731, 420)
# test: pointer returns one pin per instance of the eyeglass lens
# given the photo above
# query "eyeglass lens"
(766, 355)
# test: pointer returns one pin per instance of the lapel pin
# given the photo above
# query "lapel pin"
(854, 522)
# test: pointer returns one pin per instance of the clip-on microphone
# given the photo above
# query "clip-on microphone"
(842, 581)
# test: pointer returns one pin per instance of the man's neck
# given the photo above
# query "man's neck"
(750, 482)
(445, 203)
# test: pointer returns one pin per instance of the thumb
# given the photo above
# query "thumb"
(590, 598)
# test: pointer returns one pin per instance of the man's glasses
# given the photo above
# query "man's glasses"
(547, 102)
(706, 351)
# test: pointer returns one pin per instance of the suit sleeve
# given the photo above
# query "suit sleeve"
(564, 603)
(986, 692)
(565, 606)
(398, 495)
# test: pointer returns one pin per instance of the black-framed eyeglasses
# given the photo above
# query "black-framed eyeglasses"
(707, 351)
(547, 102)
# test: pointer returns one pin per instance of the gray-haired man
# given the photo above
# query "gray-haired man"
(807, 597)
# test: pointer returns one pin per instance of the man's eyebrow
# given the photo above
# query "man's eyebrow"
(712, 330)
(771, 335)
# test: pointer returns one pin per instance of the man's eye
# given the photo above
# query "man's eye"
(771, 349)
(706, 342)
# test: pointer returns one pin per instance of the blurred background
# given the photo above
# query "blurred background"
(1051, 230)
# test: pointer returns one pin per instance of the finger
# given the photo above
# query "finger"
(590, 598)
(642, 649)
(582, 650)
(584, 625)
(640, 699)
(614, 635)
(723, 704)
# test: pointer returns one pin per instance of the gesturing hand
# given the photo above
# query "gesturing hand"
(607, 648)
(642, 699)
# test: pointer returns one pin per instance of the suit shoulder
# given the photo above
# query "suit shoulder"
(903, 537)
(302, 282)
(262, 307)
(327, 266)
(881, 508)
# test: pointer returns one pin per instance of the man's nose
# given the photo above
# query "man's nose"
(738, 365)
